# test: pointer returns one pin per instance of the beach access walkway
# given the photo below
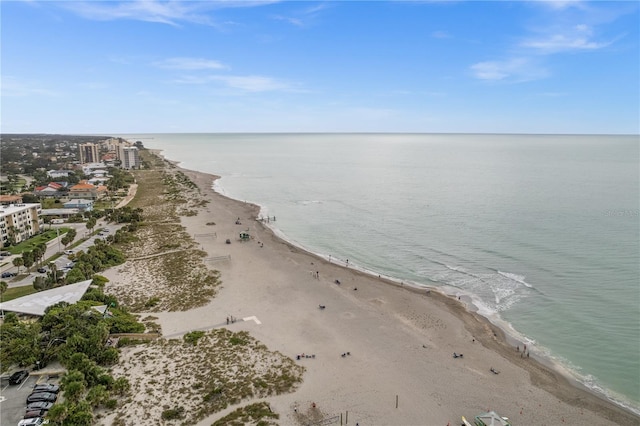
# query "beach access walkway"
(214, 326)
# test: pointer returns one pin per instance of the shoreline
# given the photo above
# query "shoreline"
(508, 339)
(488, 334)
(466, 305)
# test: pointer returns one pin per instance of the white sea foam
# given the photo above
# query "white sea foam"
(515, 277)
(455, 268)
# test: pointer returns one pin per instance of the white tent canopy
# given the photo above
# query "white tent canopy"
(35, 304)
(491, 419)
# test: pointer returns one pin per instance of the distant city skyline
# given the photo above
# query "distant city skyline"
(111, 67)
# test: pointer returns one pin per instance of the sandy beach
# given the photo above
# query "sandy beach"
(378, 353)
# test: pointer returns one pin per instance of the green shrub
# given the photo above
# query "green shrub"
(193, 337)
(173, 413)
(152, 302)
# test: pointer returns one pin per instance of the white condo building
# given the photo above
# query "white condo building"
(130, 158)
(21, 221)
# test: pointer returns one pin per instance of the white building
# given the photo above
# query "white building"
(94, 169)
(56, 174)
(130, 158)
(20, 221)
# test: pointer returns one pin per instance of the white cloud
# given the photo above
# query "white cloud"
(562, 30)
(165, 12)
(560, 4)
(247, 83)
(440, 34)
(559, 42)
(576, 30)
(577, 38)
(552, 94)
(252, 83)
(16, 87)
(512, 70)
(303, 17)
(190, 64)
(293, 21)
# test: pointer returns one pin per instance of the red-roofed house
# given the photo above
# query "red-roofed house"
(84, 189)
(51, 190)
(5, 200)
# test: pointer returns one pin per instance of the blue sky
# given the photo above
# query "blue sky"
(265, 66)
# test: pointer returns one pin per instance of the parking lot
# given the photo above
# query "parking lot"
(62, 260)
(13, 397)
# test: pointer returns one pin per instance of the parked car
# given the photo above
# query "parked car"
(42, 396)
(68, 252)
(69, 265)
(4, 254)
(34, 414)
(42, 270)
(40, 405)
(46, 387)
(18, 377)
(8, 274)
(31, 421)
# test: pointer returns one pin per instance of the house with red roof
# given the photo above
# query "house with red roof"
(51, 190)
(85, 190)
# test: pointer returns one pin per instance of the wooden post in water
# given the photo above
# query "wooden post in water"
(396, 401)
(340, 419)
(346, 420)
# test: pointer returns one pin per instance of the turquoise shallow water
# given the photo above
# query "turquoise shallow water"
(541, 232)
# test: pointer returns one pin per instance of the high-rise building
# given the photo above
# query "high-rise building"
(89, 153)
(130, 158)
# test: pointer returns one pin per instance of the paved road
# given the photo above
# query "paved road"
(53, 248)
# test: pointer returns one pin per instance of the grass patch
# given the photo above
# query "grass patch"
(16, 292)
(259, 414)
(193, 337)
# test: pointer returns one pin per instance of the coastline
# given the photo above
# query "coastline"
(482, 330)
(400, 338)
(503, 341)
(507, 339)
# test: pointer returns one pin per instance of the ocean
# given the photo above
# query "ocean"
(540, 232)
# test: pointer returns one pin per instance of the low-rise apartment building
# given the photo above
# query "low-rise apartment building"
(19, 222)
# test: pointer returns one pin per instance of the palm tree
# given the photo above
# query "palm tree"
(39, 252)
(12, 230)
(91, 223)
(18, 261)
